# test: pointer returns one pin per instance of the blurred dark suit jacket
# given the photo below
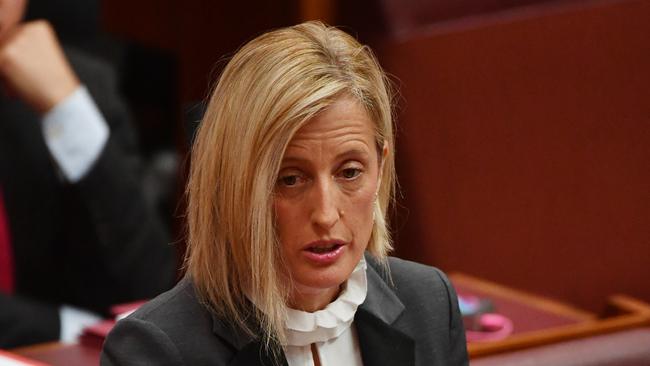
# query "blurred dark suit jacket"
(416, 321)
(89, 244)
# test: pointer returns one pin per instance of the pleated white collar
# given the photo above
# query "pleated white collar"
(304, 328)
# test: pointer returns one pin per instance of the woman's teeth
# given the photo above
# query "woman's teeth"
(321, 250)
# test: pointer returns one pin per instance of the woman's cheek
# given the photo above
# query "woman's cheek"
(364, 205)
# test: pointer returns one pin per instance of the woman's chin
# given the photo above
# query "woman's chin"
(315, 295)
(320, 275)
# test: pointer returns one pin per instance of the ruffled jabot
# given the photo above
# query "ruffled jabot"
(303, 328)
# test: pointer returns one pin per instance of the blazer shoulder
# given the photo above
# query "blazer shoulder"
(177, 312)
(414, 283)
(401, 272)
(160, 328)
(401, 267)
(432, 313)
(135, 341)
(180, 296)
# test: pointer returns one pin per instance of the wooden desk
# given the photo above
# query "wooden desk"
(539, 321)
(56, 354)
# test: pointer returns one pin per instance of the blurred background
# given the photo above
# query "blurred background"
(523, 127)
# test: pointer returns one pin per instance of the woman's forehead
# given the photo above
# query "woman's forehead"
(342, 126)
(346, 116)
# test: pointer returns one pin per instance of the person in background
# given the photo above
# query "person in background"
(292, 175)
(76, 234)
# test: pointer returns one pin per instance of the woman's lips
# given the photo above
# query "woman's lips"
(324, 252)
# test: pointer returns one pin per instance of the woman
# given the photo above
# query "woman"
(292, 173)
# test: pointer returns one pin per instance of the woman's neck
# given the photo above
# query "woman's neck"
(311, 301)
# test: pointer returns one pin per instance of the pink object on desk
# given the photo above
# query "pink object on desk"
(524, 317)
(493, 327)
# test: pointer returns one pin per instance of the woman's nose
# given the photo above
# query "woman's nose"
(325, 211)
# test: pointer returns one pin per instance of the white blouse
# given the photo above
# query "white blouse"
(329, 329)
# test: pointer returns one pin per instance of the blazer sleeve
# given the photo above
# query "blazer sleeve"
(457, 341)
(23, 321)
(133, 242)
(135, 342)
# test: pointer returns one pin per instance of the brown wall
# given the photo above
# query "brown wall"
(199, 32)
(524, 148)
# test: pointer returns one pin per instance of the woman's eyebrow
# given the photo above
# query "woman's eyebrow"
(353, 153)
(290, 160)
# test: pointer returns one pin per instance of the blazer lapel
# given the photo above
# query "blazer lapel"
(248, 351)
(254, 354)
(381, 343)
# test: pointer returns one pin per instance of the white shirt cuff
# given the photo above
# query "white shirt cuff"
(73, 322)
(75, 133)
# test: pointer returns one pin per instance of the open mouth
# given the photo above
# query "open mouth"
(324, 249)
(325, 252)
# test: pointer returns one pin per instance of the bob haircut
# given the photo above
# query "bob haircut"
(269, 89)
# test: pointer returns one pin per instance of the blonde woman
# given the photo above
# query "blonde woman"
(292, 173)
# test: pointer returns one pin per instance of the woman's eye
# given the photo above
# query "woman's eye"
(288, 181)
(350, 173)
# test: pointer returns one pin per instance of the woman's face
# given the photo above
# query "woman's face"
(324, 200)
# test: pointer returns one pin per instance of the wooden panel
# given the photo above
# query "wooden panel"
(200, 32)
(523, 149)
(323, 10)
(152, 22)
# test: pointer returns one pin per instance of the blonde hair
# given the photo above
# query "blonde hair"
(270, 88)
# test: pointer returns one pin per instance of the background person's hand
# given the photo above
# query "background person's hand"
(33, 66)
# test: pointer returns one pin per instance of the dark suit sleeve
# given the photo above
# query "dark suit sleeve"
(457, 341)
(137, 342)
(133, 242)
(131, 239)
(24, 321)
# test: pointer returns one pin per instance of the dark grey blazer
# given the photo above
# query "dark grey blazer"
(416, 321)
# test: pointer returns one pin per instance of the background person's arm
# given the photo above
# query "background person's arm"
(34, 68)
(133, 244)
(24, 321)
